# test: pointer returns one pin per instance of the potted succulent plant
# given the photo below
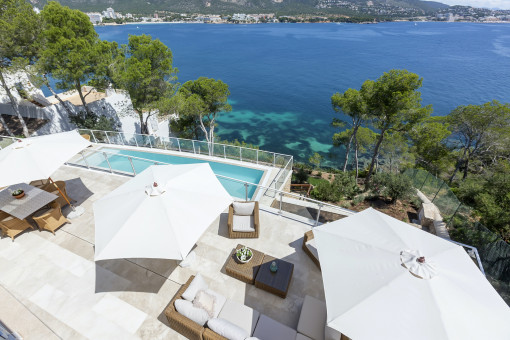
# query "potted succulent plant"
(244, 254)
(18, 193)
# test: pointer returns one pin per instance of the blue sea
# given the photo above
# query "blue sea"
(282, 76)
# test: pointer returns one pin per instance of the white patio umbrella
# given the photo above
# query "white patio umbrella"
(39, 157)
(160, 213)
(384, 279)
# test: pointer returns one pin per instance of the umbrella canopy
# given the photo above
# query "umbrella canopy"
(384, 279)
(38, 157)
(160, 213)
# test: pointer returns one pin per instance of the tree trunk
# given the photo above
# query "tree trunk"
(146, 124)
(466, 166)
(4, 124)
(78, 88)
(14, 105)
(356, 156)
(64, 104)
(142, 123)
(374, 157)
(457, 167)
(202, 126)
(347, 151)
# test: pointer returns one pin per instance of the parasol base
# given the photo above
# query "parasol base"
(77, 212)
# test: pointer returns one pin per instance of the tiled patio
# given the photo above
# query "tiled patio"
(54, 278)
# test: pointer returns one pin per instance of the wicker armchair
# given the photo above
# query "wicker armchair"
(307, 238)
(210, 335)
(50, 219)
(238, 234)
(180, 323)
(50, 187)
(11, 226)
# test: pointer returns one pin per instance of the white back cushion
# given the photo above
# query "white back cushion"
(195, 314)
(227, 329)
(197, 284)
(243, 208)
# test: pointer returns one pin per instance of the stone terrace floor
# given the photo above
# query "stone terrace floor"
(50, 286)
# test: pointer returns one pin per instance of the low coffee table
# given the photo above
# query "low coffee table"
(277, 283)
(245, 272)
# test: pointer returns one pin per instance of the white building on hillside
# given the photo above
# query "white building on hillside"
(95, 17)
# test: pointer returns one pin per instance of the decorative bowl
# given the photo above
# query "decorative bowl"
(244, 254)
(17, 194)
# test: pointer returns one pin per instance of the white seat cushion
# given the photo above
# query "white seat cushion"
(313, 318)
(312, 247)
(220, 302)
(243, 208)
(243, 224)
(268, 328)
(227, 329)
(197, 284)
(195, 314)
(240, 315)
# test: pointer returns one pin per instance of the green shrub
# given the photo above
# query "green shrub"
(93, 121)
(326, 191)
(344, 185)
(301, 176)
(394, 186)
(357, 200)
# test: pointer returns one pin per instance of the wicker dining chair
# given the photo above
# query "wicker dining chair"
(50, 219)
(50, 187)
(11, 226)
(40, 183)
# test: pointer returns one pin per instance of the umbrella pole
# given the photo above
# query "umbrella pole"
(65, 197)
(76, 211)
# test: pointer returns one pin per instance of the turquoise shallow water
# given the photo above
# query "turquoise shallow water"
(282, 76)
(234, 188)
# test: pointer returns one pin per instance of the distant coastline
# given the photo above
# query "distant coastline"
(264, 23)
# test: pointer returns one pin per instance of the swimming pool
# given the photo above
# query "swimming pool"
(117, 162)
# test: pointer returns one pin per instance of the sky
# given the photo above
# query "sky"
(502, 4)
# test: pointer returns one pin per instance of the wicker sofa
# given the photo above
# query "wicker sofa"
(311, 325)
(243, 234)
(310, 249)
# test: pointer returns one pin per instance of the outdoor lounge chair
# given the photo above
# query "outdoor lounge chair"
(50, 219)
(310, 248)
(50, 187)
(11, 226)
(243, 220)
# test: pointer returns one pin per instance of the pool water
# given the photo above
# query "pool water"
(234, 188)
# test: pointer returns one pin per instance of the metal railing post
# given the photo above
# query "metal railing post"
(136, 140)
(108, 138)
(428, 174)
(179, 144)
(240, 154)
(438, 191)
(107, 161)
(257, 156)
(93, 136)
(246, 190)
(193, 142)
(224, 152)
(150, 143)
(132, 166)
(281, 203)
(84, 160)
(318, 214)
(162, 141)
(274, 159)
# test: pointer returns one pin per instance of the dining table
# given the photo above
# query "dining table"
(33, 200)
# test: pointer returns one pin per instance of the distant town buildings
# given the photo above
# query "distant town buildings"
(450, 14)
